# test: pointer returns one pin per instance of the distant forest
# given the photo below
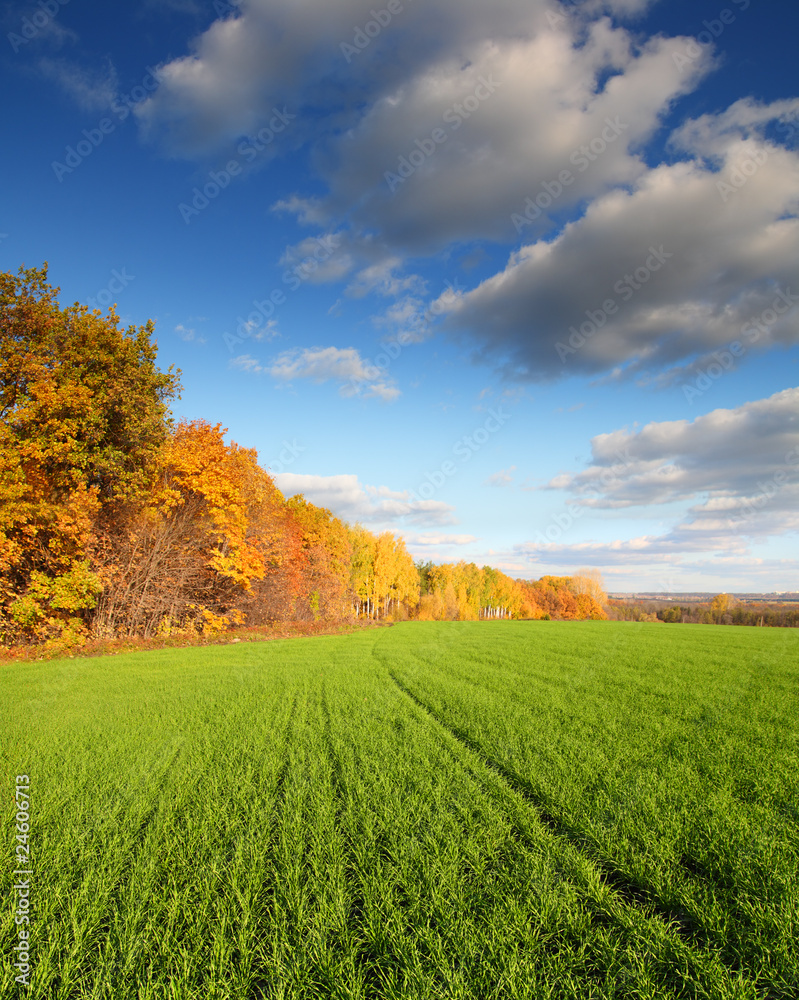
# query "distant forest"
(116, 520)
(723, 609)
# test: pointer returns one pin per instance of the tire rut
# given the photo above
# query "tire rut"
(634, 895)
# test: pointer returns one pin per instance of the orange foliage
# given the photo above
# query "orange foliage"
(114, 521)
(198, 465)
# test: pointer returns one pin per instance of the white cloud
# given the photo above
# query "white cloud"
(349, 499)
(502, 478)
(91, 91)
(556, 113)
(342, 365)
(381, 277)
(269, 331)
(410, 319)
(738, 468)
(188, 334)
(723, 455)
(436, 539)
(542, 93)
(318, 259)
(546, 104)
(658, 278)
(247, 363)
(276, 51)
(597, 299)
(356, 377)
(309, 211)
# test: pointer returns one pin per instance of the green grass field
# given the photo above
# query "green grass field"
(487, 810)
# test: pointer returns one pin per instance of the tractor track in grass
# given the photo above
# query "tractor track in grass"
(336, 770)
(376, 960)
(139, 834)
(632, 894)
(261, 985)
(356, 902)
(370, 961)
(118, 888)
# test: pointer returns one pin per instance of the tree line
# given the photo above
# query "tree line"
(723, 609)
(118, 520)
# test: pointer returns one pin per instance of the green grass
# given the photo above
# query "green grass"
(487, 810)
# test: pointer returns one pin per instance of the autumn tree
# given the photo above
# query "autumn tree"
(720, 608)
(326, 554)
(383, 577)
(83, 416)
(403, 592)
(590, 583)
(362, 575)
(189, 553)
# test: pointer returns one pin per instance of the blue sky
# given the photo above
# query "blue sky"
(517, 280)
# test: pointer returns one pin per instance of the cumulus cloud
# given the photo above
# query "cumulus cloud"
(270, 330)
(273, 51)
(247, 363)
(514, 91)
(644, 550)
(456, 151)
(723, 454)
(738, 468)
(353, 501)
(666, 571)
(382, 277)
(308, 211)
(677, 266)
(369, 264)
(519, 123)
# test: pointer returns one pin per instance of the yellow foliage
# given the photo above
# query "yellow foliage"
(199, 466)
